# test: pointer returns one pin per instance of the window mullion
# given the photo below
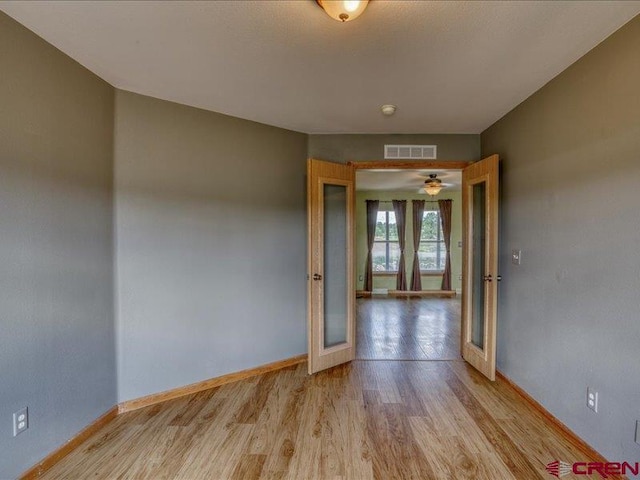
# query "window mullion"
(387, 241)
(438, 253)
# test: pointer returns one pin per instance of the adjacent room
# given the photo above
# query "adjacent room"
(406, 312)
(303, 239)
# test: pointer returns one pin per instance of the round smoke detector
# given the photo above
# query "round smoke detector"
(388, 110)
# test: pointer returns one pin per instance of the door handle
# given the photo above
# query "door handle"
(489, 278)
(317, 276)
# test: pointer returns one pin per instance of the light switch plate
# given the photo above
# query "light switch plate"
(516, 256)
(638, 432)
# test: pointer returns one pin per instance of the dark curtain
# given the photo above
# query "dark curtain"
(400, 209)
(445, 219)
(418, 211)
(372, 216)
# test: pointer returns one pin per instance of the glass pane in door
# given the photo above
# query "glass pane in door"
(478, 230)
(335, 265)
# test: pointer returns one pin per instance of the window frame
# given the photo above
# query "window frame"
(386, 241)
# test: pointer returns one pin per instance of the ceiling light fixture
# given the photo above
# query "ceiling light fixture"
(433, 185)
(343, 10)
(388, 110)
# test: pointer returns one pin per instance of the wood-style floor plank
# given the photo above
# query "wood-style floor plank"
(388, 419)
(366, 420)
(408, 328)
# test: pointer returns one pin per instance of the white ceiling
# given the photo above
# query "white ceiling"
(405, 180)
(450, 67)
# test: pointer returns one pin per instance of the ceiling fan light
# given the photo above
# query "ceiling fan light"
(433, 185)
(433, 190)
(343, 10)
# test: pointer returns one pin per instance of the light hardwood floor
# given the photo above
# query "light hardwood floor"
(408, 328)
(382, 420)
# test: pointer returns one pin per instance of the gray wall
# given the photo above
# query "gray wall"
(57, 342)
(211, 244)
(344, 148)
(570, 200)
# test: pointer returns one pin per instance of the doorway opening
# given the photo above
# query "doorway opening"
(416, 316)
(331, 258)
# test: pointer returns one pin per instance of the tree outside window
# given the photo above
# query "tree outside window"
(386, 251)
(432, 252)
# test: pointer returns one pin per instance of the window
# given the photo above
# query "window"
(432, 252)
(386, 251)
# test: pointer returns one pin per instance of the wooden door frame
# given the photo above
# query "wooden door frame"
(376, 165)
(409, 165)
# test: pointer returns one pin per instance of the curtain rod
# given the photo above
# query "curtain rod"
(391, 201)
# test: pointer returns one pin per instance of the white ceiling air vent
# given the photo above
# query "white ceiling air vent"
(410, 152)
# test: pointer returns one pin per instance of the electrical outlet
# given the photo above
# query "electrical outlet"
(20, 421)
(460, 243)
(592, 399)
(460, 277)
(361, 278)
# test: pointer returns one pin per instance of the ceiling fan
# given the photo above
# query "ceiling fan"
(433, 185)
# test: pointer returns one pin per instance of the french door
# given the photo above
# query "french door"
(331, 288)
(480, 264)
